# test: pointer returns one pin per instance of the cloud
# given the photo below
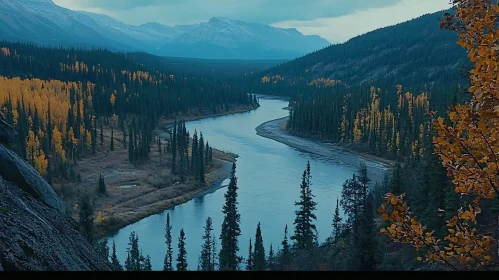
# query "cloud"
(173, 12)
(340, 29)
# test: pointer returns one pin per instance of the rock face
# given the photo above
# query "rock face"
(14, 169)
(35, 233)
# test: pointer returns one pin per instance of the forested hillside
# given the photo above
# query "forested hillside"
(57, 99)
(417, 54)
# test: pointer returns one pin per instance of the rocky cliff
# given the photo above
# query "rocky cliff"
(35, 233)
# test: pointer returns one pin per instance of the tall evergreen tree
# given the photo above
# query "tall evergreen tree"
(101, 133)
(305, 230)
(133, 262)
(194, 157)
(169, 250)
(249, 260)
(147, 264)
(336, 222)
(271, 259)
(86, 220)
(205, 259)
(111, 145)
(201, 162)
(114, 259)
(102, 185)
(365, 242)
(285, 257)
(229, 260)
(397, 180)
(182, 253)
(259, 257)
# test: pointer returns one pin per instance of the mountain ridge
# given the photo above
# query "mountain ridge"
(220, 37)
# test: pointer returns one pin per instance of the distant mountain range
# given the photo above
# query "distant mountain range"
(43, 22)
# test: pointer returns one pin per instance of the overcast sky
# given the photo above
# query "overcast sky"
(334, 20)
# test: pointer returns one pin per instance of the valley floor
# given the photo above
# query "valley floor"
(275, 130)
(135, 192)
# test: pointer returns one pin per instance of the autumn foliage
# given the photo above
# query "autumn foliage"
(468, 148)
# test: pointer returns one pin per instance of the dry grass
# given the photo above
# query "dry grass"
(157, 188)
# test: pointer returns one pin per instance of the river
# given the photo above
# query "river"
(269, 177)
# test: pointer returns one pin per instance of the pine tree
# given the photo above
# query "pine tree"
(365, 242)
(102, 249)
(211, 154)
(147, 264)
(285, 257)
(169, 250)
(194, 157)
(259, 261)
(249, 260)
(396, 180)
(229, 260)
(174, 148)
(305, 230)
(201, 162)
(205, 259)
(207, 154)
(102, 185)
(86, 220)
(111, 145)
(101, 133)
(133, 262)
(336, 222)
(182, 253)
(114, 259)
(271, 259)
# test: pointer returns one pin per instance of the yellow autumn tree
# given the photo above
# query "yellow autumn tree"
(468, 148)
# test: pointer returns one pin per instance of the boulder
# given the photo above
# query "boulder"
(23, 175)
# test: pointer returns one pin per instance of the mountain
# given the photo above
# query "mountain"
(224, 37)
(416, 52)
(43, 22)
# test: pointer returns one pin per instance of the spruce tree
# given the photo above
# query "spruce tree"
(207, 154)
(194, 157)
(86, 220)
(201, 159)
(365, 240)
(336, 222)
(101, 133)
(271, 259)
(397, 180)
(114, 259)
(211, 154)
(229, 260)
(133, 262)
(285, 257)
(305, 230)
(174, 148)
(169, 250)
(259, 261)
(249, 260)
(147, 264)
(102, 185)
(182, 253)
(205, 259)
(111, 145)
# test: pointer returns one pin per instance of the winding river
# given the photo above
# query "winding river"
(269, 177)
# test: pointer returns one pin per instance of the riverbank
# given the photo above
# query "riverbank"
(137, 191)
(275, 130)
